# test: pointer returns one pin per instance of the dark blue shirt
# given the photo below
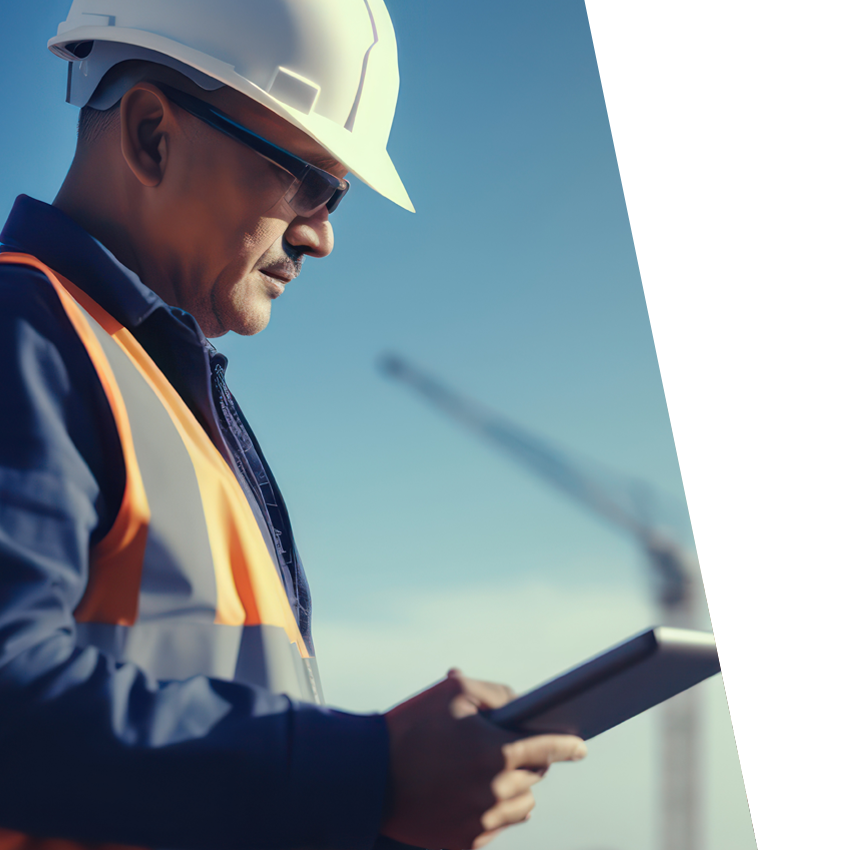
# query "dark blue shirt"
(96, 751)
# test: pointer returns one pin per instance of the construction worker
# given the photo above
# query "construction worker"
(158, 685)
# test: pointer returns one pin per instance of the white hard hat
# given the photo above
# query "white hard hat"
(327, 66)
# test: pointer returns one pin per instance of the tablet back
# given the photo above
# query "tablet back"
(615, 685)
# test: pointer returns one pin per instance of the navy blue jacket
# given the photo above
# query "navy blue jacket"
(95, 751)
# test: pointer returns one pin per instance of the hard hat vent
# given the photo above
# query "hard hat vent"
(294, 90)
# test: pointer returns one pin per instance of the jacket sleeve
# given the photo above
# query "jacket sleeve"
(96, 751)
(384, 843)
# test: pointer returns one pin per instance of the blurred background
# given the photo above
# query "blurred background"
(516, 286)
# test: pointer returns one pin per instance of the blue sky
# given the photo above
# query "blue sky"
(516, 282)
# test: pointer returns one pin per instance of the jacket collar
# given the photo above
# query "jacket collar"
(45, 232)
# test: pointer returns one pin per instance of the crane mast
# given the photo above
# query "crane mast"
(672, 573)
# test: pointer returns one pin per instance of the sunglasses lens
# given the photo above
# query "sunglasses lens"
(317, 189)
(338, 195)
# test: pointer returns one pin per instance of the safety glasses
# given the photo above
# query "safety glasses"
(311, 187)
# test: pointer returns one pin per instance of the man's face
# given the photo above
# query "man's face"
(230, 242)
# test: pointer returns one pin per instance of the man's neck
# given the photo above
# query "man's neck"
(99, 203)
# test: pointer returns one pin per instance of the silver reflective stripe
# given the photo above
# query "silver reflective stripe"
(315, 681)
(268, 659)
(178, 578)
(171, 650)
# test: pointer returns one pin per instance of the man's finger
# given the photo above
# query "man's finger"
(540, 751)
(508, 812)
(512, 783)
(484, 694)
(487, 837)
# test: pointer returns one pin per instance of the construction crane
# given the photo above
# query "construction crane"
(674, 572)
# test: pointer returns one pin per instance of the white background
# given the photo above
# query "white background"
(730, 126)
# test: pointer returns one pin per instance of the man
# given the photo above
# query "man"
(157, 679)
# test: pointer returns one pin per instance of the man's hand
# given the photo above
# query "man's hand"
(457, 780)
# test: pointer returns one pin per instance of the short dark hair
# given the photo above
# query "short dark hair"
(96, 123)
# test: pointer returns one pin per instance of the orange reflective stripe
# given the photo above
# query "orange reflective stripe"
(115, 570)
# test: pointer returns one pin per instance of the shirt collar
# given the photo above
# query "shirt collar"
(47, 233)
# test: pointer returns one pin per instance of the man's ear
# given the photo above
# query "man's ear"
(146, 117)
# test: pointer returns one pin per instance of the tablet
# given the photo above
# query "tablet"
(618, 684)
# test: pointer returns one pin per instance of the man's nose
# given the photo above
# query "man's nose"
(311, 235)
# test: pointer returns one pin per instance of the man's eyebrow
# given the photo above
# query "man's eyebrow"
(326, 163)
(321, 159)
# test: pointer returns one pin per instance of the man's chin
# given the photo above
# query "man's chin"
(250, 325)
(243, 321)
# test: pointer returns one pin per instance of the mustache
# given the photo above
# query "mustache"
(293, 253)
(288, 266)
(294, 257)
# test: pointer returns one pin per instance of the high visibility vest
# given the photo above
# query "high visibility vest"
(184, 583)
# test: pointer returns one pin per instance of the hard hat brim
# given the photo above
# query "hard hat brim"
(375, 169)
